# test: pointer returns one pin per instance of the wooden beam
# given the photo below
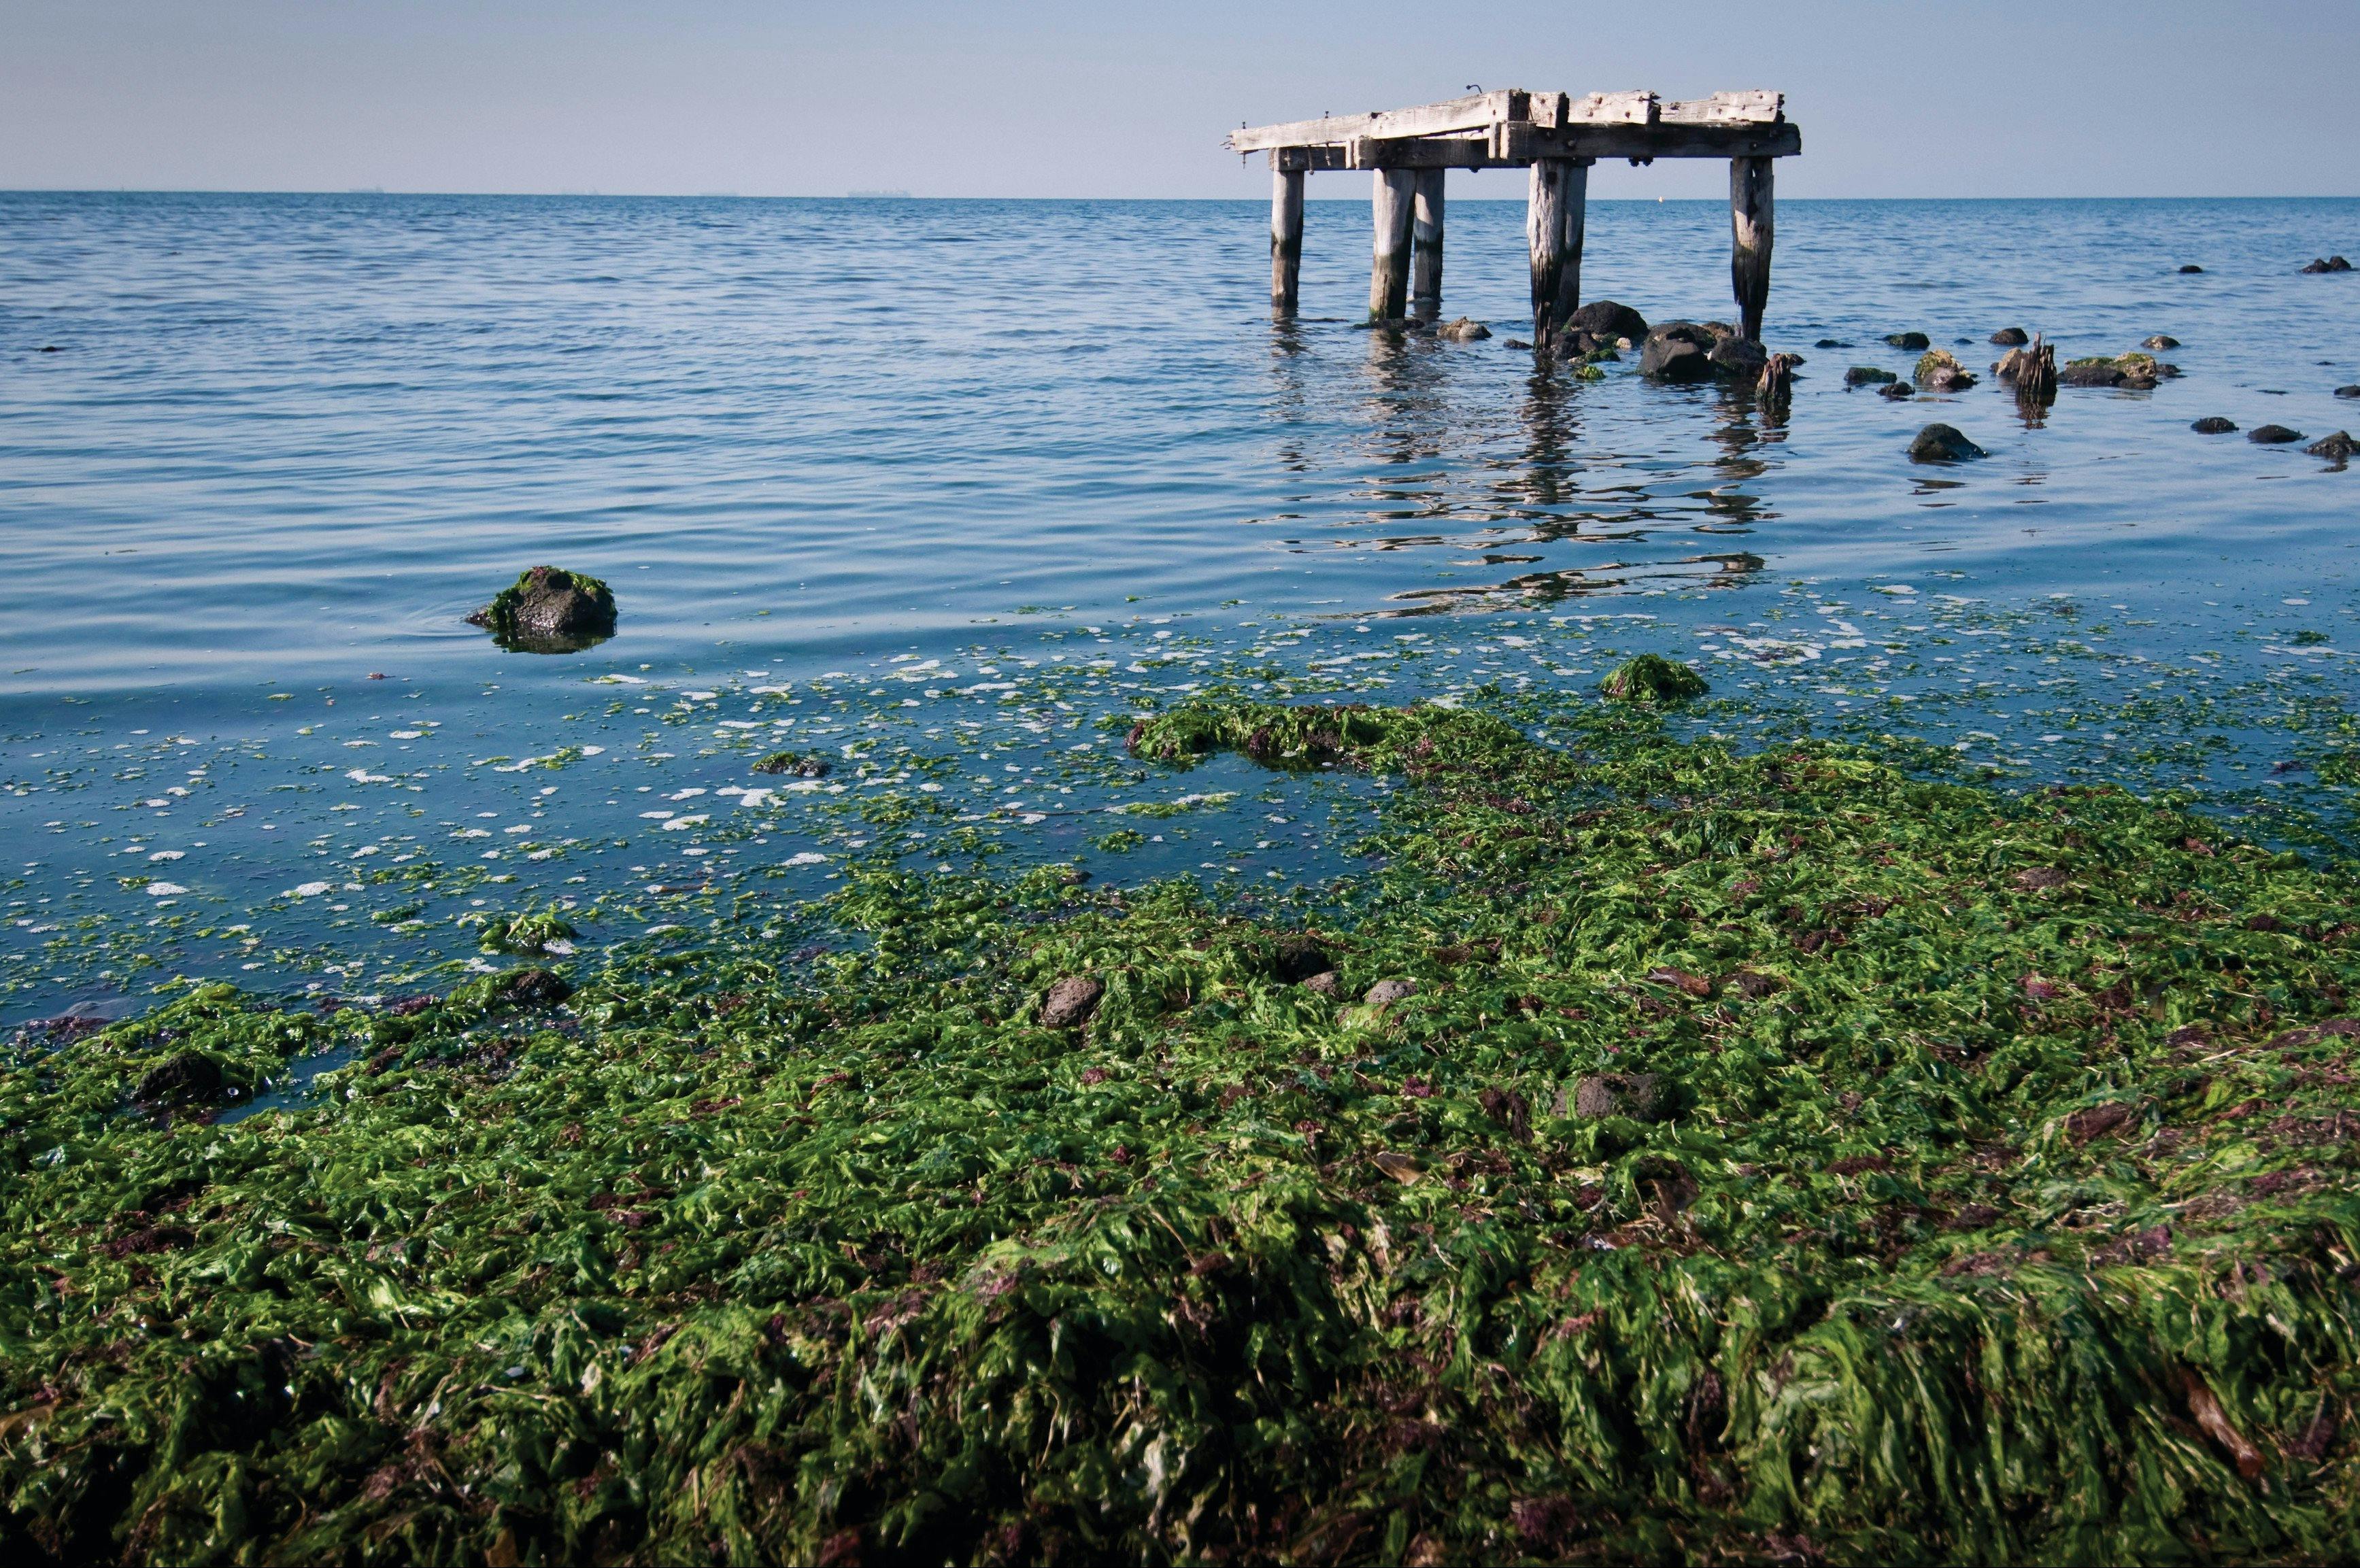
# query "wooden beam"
(1516, 145)
(1471, 114)
(1425, 248)
(1286, 239)
(1753, 108)
(1749, 235)
(1392, 205)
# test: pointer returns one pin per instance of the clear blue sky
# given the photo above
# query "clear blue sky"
(1076, 98)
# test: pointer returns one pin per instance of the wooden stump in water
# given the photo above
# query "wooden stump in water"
(1552, 183)
(1751, 229)
(1285, 238)
(1393, 205)
(1426, 256)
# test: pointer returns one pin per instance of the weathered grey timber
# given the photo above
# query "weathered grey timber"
(1558, 136)
(1425, 252)
(1286, 239)
(1393, 205)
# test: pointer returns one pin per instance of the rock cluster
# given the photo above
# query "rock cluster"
(2328, 264)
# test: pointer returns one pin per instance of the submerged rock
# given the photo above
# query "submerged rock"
(1898, 391)
(1650, 681)
(2214, 425)
(1915, 341)
(2329, 264)
(1070, 1002)
(2339, 447)
(2011, 337)
(1608, 321)
(1677, 351)
(549, 610)
(2161, 341)
(1831, 343)
(533, 988)
(2190, 266)
(2272, 435)
(1942, 443)
(797, 764)
(2351, 391)
(1464, 330)
(1868, 376)
(182, 1080)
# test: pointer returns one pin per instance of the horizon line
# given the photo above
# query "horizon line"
(884, 198)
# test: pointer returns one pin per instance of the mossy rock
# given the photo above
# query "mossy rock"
(795, 765)
(549, 610)
(1653, 681)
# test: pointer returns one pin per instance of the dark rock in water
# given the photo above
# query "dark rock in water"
(534, 988)
(1867, 376)
(2331, 264)
(1464, 330)
(1900, 391)
(1070, 1002)
(1677, 351)
(2161, 341)
(549, 610)
(2090, 373)
(2011, 337)
(2214, 425)
(2191, 266)
(1741, 359)
(1602, 1095)
(1831, 343)
(797, 764)
(1916, 342)
(1606, 320)
(2273, 435)
(1299, 958)
(1940, 443)
(1515, 342)
(2351, 391)
(2339, 446)
(189, 1077)
(1650, 680)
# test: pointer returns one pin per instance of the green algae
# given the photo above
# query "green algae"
(1994, 1203)
(1652, 679)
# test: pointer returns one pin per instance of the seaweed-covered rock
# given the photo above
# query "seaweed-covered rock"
(1738, 358)
(1638, 1095)
(1868, 376)
(2338, 447)
(1942, 443)
(2328, 263)
(2214, 425)
(795, 765)
(1916, 343)
(549, 610)
(1070, 1002)
(2160, 341)
(2272, 435)
(533, 988)
(1677, 351)
(190, 1077)
(1938, 370)
(1609, 322)
(1651, 679)
(1464, 330)
(2011, 337)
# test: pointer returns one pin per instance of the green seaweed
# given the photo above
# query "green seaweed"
(1652, 679)
(1778, 1157)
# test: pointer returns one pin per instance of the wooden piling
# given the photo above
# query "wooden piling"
(1573, 206)
(1545, 235)
(1286, 237)
(1425, 252)
(1749, 234)
(1393, 205)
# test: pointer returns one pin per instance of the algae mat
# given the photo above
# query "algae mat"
(1768, 1156)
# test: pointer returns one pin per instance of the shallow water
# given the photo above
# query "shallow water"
(959, 479)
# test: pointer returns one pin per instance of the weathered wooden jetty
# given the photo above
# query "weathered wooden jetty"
(1557, 136)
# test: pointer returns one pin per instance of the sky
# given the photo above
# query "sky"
(1099, 98)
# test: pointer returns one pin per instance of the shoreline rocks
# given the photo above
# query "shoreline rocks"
(1943, 444)
(549, 610)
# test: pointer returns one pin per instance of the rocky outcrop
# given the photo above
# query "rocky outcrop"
(549, 610)
(1943, 444)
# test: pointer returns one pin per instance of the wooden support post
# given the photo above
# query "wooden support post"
(1285, 237)
(1750, 233)
(1573, 204)
(1426, 256)
(1389, 271)
(1544, 234)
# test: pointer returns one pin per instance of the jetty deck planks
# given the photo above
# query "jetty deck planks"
(1556, 136)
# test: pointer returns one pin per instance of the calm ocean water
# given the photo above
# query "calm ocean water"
(935, 486)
